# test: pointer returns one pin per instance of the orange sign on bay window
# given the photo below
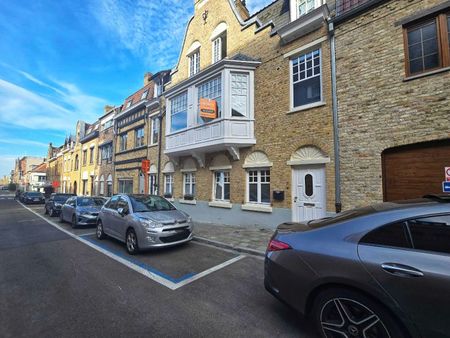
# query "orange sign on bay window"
(208, 108)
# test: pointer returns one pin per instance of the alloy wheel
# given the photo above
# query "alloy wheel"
(100, 233)
(131, 242)
(347, 318)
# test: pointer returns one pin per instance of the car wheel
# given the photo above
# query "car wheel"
(45, 210)
(132, 242)
(74, 222)
(51, 212)
(345, 313)
(100, 233)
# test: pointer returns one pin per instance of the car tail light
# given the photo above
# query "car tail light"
(275, 245)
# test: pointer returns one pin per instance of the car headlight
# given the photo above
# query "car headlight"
(58, 205)
(149, 224)
(189, 219)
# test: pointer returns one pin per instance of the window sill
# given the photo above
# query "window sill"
(418, 76)
(152, 145)
(220, 204)
(257, 207)
(182, 201)
(307, 107)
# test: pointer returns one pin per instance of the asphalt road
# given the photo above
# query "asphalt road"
(52, 284)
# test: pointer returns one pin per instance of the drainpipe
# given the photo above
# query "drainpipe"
(337, 170)
(160, 118)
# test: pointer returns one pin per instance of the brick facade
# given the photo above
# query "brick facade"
(279, 131)
(378, 107)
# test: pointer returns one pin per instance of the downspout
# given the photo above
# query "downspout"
(337, 170)
(160, 118)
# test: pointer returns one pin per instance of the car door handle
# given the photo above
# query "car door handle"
(400, 269)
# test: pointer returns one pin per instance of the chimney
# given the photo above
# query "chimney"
(147, 78)
(107, 108)
(242, 9)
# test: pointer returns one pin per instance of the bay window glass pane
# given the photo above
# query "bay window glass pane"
(239, 94)
(178, 112)
(211, 89)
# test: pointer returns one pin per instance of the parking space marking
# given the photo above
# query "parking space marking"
(140, 267)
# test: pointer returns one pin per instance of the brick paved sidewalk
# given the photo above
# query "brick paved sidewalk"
(251, 240)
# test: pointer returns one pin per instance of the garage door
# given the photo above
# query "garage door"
(415, 170)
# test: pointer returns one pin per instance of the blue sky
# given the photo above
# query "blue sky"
(61, 61)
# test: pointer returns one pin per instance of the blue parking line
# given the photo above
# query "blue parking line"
(137, 262)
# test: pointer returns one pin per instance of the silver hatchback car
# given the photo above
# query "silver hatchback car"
(143, 222)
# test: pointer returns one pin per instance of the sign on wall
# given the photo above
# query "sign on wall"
(208, 108)
(55, 184)
(145, 166)
(447, 174)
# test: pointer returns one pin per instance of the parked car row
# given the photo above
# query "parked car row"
(141, 221)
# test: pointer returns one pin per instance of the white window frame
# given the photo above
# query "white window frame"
(223, 173)
(194, 62)
(186, 110)
(259, 183)
(155, 128)
(121, 191)
(217, 49)
(219, 78)
(152, 184)
(168, 181)
(291, 79)
(295, 6)
(192, 183)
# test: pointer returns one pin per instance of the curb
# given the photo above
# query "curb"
(229, 246)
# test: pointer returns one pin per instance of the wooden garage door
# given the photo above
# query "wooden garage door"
(414, 171)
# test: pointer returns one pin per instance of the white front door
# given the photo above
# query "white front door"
(308, 193)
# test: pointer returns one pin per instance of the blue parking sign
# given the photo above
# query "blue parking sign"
(446, 186)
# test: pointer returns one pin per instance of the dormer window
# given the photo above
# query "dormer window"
(144, 95)
(194, 63)
(129, 104)
(302, 7)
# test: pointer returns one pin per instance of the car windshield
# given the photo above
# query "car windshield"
(90, 202)
(34, 194)
(61, 198)
(150, 203)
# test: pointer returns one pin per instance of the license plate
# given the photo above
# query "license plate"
(36, 199)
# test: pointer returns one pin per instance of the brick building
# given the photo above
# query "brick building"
(105, 177)
(393, 78)
(249, 126)
(137, 137)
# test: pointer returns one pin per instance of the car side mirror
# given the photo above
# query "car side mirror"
(122, 212)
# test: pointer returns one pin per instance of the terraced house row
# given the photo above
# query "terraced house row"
(298, 111)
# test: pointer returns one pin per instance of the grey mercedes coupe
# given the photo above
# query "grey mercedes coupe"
(379, 271)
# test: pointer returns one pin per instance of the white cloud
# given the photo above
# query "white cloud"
(27, 109)
(23, 142)
(145, 28)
